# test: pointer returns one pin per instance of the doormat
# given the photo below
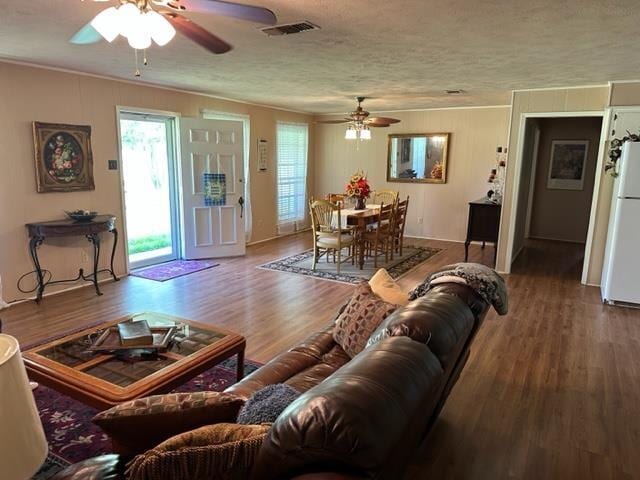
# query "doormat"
(302, 264)
(71, 435)
(173, 269)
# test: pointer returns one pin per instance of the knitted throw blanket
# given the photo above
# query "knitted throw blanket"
(482, 279)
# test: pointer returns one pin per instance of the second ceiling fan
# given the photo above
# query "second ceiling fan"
(359, 122)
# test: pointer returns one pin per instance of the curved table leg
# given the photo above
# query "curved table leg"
(34, 243)
(94, 238)
(113, 253)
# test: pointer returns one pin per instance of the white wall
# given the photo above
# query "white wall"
(475, 133)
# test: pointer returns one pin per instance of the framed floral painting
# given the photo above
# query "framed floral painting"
(64, 162)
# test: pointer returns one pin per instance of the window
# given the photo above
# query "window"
(292, 144)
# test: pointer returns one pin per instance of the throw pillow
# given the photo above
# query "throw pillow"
(362, 315)
(140, 424)
(267, 404)
(387, 289)
(222, 451)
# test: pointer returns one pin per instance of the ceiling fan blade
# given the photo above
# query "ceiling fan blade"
(377, 125)
(197, 34)
(86, 36)
(334, 122)
(220, 7)
(382, 120)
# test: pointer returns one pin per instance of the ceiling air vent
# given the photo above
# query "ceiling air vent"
(289, 28)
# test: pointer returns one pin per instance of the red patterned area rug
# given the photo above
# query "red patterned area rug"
(176, 268)
(71, 435)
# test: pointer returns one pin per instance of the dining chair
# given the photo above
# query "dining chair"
(398, 230)
(336, 198)
(379, 240)
(388, 197)
(330, 236)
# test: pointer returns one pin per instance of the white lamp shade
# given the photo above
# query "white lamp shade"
(161, 30)
(23, 446)
(350, 134)
(129, 18)
(107, 23)
(139, 39)
(365, 134)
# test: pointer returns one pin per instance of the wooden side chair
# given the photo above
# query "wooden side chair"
(336, 198)
(330, 236)
(388, 197)
(379, 241)
(400, 222)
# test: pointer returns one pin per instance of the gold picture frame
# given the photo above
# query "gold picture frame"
(64, 161)
(418, 157)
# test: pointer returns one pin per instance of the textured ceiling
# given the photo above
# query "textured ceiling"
(401, 53)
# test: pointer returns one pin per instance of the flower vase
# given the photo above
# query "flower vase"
(360, 205)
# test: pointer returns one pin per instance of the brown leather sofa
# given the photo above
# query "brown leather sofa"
(363, 417)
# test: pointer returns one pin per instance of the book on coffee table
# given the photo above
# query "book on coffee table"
(135, 333)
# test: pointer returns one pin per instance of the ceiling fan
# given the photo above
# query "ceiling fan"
(141, 21)
(359, 122)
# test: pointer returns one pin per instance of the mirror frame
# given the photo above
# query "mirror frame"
(445, 157)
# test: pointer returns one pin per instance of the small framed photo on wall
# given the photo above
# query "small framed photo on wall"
(568, 164)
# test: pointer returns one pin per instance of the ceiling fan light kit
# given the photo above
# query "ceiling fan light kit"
(359, 123)
(137, 25)
(141, 23)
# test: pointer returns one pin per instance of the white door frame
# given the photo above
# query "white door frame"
(532, 181)
(605, 115)
(120, 111)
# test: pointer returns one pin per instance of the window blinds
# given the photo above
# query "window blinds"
(292, 145)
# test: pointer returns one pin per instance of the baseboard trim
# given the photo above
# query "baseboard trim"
(257, 242)
(557, 240)
(64, 290)
(443, 239)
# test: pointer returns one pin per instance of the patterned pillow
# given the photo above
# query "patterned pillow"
(140, 424)
(222, 451)
(362, 315)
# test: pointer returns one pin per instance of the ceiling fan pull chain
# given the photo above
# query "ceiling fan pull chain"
(138, 75)
(144, 61)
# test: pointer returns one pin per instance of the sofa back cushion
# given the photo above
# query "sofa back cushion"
(442, 321)
(365, 418)
(362, 315)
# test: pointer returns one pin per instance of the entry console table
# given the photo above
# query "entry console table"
(483, 225)
(39, 231)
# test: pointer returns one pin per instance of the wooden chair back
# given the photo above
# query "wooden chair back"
(322, 212)
(401, 214)
(388, 197)
(336, 198)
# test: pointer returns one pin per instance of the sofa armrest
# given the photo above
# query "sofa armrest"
(365, 419)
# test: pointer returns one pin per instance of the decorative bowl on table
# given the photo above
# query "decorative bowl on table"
(81, 215)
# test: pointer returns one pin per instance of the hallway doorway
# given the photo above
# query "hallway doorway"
(556, 186)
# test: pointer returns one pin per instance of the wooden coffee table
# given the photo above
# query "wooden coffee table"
(103, 380)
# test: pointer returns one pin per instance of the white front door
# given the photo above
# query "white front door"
(212, 188)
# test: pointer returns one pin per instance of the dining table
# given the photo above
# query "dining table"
(360, 219)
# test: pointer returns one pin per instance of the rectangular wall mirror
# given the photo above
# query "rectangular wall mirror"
(418, 157)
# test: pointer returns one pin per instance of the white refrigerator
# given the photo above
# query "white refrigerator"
(621, 272)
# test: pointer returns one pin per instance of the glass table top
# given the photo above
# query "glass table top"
(125, 369)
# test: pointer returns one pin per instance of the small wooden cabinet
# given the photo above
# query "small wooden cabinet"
(483, 225)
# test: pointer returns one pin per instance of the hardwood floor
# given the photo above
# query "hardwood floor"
(550, 390)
